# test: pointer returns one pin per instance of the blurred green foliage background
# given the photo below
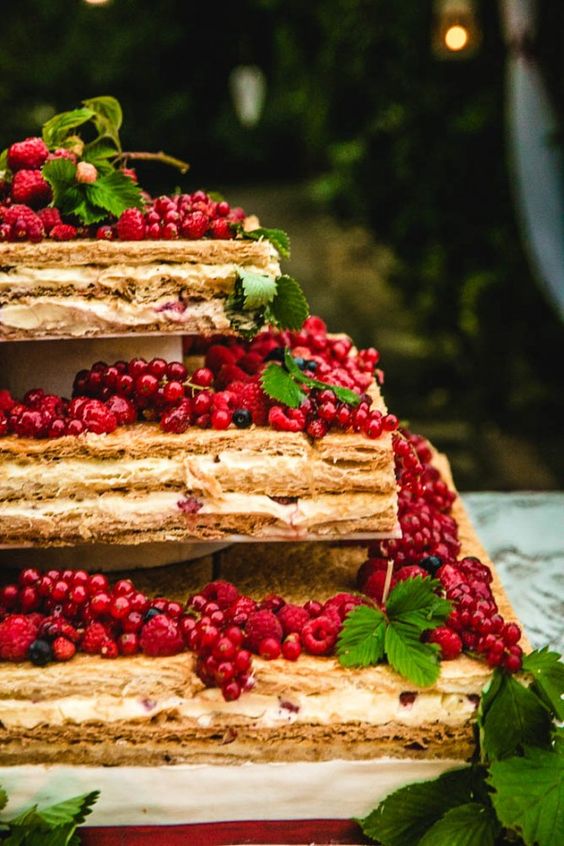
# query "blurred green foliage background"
(363, 130)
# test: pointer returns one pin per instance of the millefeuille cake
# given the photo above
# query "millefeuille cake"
(294, 714)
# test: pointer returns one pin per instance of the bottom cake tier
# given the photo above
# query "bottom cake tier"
(277, 751)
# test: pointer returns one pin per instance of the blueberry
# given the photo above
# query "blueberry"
(311, 365)
(152, 612)
(242, 418)
(40, 653)
(300, 362)
(431, 563)
(277, 354)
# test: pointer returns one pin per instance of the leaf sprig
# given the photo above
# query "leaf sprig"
(368, 634)
(52, 826)
(514, 794)
(259, 300)
(283, 384)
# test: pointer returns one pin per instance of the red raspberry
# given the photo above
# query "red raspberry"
(221, 592)
(161, 636)
(410, 572)
(63, 232)
(250, 396)
(370, 566)
(221, 229)
(449, 641)
(29, 187)
(319, 635)
(29, 154)
(217, 355)
(279, 419)
(49, 217)
(94, 638)
(343, 603)
(195, 225)
(262, 625)
(292, 618)
(123, 409)
(61, 153)
(17, 633)
(17, 211)
(131, 225)
(63, 649)
(239, 612)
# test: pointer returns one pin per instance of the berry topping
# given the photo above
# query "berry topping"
(28, 154)
(161, 636)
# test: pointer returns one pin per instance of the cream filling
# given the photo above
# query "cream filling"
(345, 705)
(79, 316)
(208, 473)
(160, 505)
(113, 278)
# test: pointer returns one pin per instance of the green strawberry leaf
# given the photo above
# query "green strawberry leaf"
(289, 308)
(3, 798)
(279, 385)
(416, 661)
(547, 670)
(404, 816)
(107, 115)
(61, 176)
(361, 641)
(415, 602)
(114, 192)
(529, 795)
(511, 716)
(73, 810)
(258, 290)
(277, 237)
(465, 825)
(342, 394)
(58, 127)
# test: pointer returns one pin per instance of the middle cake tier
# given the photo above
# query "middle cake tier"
(140, 484)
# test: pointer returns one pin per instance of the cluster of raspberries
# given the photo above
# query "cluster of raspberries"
(225, 392)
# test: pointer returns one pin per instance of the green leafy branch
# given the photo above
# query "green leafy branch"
(513, 793)
(283, 384)
(277, 237)
(259, 300)
(52, 826)
(369, 634)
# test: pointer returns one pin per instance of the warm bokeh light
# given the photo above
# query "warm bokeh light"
(456, 37)
(96, 2)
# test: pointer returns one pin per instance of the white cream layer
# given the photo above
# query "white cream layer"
(346, 705)
(82, 316)
(193, 793)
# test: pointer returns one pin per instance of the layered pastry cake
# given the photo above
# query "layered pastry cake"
(323, 719)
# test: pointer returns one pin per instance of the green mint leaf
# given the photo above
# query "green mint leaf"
(511, 716)
(258, 290)
(114, 192)
(107, 115)
(342, 394)
(61, 175)
(404, 816)
(361, 641)
(73, 810)
(58, 127)
(279, 385)
(465, 825)
(289, 308)
(3, 798)
(418, 662)
(277, 237)
(415, 602)
(547, 670)
(529, 795)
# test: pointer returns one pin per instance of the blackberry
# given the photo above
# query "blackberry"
(300, 362)
(431, 563)
(40, 653)
(242, 418)
(311, 365)
(277, 354)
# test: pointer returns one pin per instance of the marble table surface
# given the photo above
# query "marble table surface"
(524, 535)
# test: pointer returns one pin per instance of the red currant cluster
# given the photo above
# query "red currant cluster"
(429, 546)
(191, 216)
(227, 391)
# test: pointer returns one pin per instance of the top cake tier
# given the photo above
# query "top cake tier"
(93, 288)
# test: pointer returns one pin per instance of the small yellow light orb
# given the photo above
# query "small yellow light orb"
(456, 37)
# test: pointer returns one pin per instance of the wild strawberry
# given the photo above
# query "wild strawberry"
(29, 187)
(161, 636)
(94, 637)
(29, 154)
(131, 225)
(63, 232)
(109, 649)
(86, 172)
(105, 233)
(262, 625)
(449, 641)
(17, 633)
(292, 618)
(195, 225)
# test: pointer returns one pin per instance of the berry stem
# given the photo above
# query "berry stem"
(181, 165)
